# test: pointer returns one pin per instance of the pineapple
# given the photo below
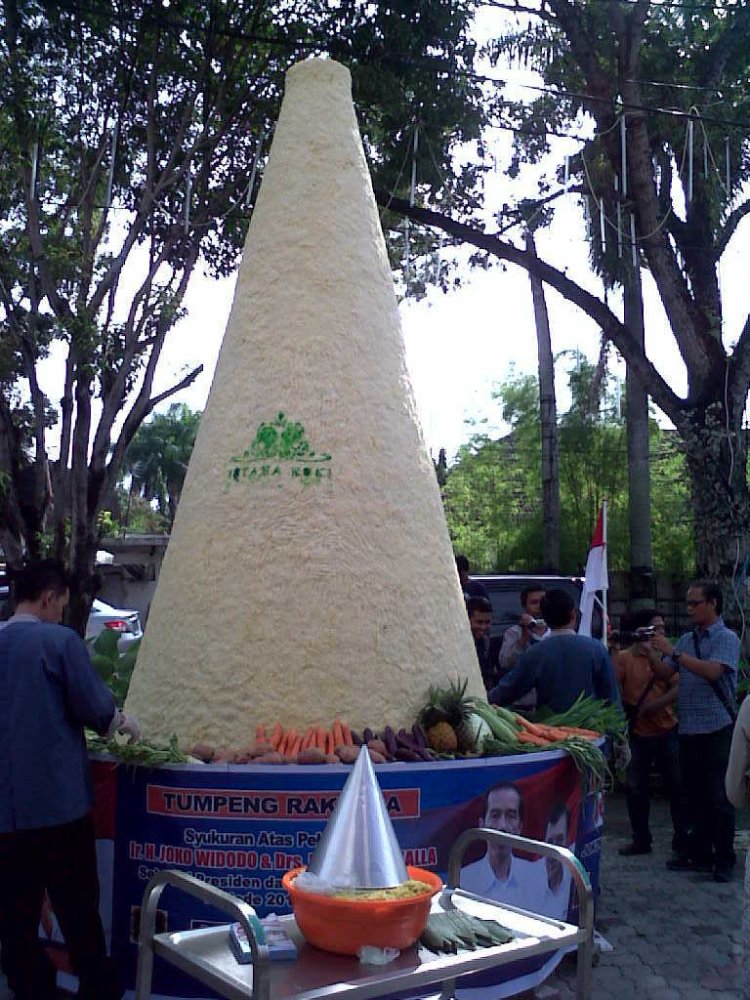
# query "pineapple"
(442, 737)
(446, 719)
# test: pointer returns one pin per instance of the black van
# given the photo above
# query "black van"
(505, 595)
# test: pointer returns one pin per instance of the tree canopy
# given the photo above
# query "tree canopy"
(158, 456)
(133, 139)
(491, 492)
(665, 87)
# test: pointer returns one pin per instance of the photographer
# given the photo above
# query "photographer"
(652, 728)
(531, 628)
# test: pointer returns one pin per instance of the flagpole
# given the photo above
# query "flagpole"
(604, 592)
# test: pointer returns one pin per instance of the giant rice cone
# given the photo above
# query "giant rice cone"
(310, 572)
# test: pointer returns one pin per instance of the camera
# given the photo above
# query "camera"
(626, 637)
(537, 622)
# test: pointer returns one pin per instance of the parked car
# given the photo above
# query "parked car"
(505, 595)
(127, 623)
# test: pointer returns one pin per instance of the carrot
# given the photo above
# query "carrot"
(338, 735)
(532, 739)
(530, 727)
(347, 734)
(295, 748)
(276, 736)
(289, 739)
(321, 739)
(576, 731)
(330, 746)
(309, 739)
(553, 733)
(260, 734)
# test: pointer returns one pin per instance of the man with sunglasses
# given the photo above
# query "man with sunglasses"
(707, 659)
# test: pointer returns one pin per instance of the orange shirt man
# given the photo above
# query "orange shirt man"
(648, 702)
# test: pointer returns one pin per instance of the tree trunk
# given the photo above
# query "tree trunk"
(548, 418)
(639, 475)
(716, 458)
(12, 547)
(85, 582)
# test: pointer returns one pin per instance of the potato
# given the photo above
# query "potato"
(378, 746)
(261, 747)
(375, 756)
(241, 757)
(332, 758)
(312, 755)
(270, 758)
(347, 755)
(203, 752)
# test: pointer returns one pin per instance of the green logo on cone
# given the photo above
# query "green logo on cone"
(278, 451)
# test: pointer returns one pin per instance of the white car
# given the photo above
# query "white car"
(126, 623)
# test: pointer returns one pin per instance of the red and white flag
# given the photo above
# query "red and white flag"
(596, 575)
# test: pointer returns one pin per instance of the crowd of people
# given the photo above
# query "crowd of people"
(679, 700)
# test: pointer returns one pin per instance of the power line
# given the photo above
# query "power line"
(662, 5)
(426, 62)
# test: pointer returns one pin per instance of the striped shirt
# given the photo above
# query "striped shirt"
(698, 707)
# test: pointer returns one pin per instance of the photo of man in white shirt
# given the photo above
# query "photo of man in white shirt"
(553, 877)
(500, 875)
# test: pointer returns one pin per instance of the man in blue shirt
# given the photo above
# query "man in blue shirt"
(707, 659)
(562, 667)
(49, 691)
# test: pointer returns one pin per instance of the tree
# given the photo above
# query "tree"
(131, 134)
(548, 423)
(158, 457)
(639, 465)
(492, 490)
(600, 59)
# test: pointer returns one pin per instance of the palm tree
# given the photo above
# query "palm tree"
(158, 457)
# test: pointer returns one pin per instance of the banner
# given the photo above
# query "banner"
(242, 827)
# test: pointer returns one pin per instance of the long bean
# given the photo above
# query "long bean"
(145, 754)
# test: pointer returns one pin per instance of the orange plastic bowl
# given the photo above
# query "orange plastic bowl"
(345, 925)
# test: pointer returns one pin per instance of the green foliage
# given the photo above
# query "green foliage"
(114, 668)
(129, 134)
(492, 491)
(698, 54)
(158, 457)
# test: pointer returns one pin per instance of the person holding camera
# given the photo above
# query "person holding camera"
(562, 667)
(707, 659)
(531, 628)
(652, 727)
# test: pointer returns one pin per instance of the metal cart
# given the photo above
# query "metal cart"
(206, 955)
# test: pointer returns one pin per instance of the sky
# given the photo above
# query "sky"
(460, 345)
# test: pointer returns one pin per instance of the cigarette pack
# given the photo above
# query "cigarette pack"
(281, 948)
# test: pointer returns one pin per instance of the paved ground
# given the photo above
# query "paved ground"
(674, 936)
